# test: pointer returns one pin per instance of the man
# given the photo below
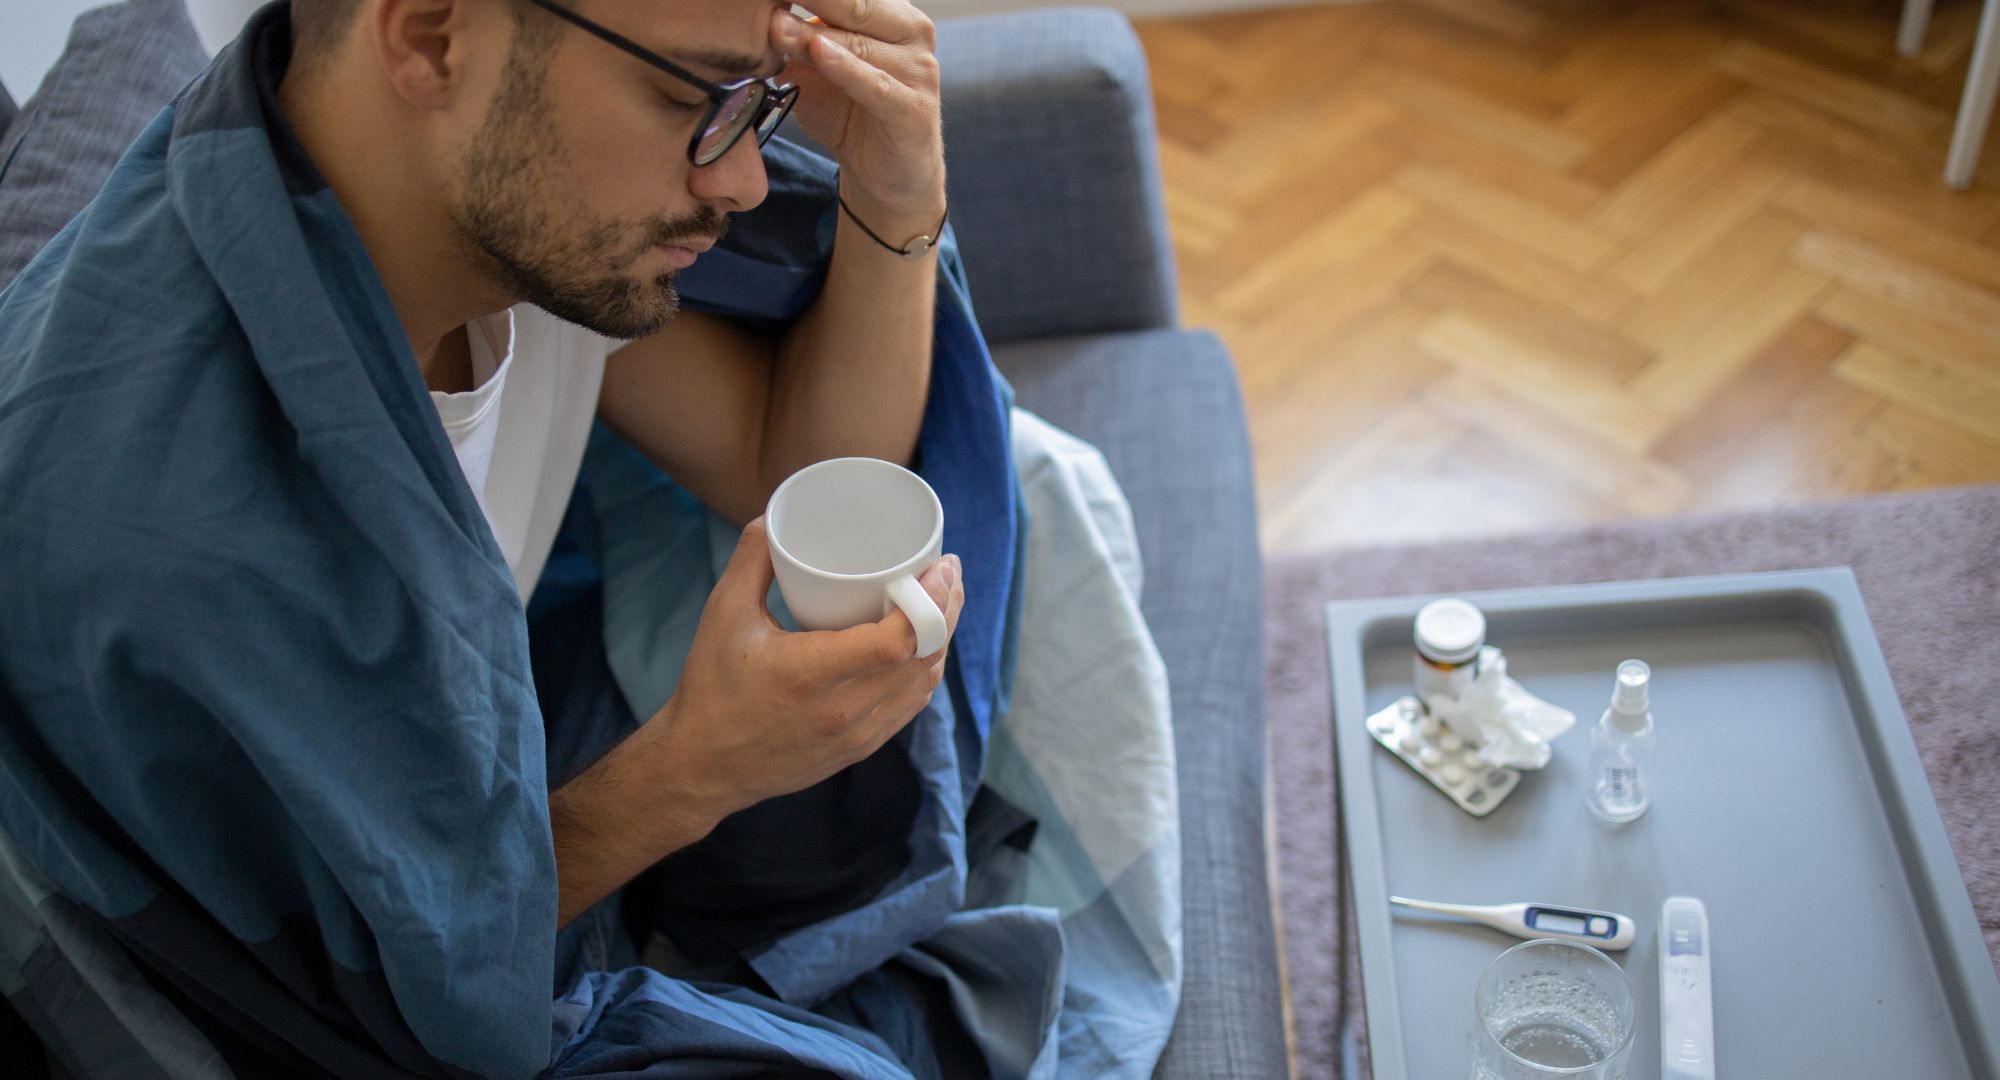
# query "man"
(493, 153)
(486, 197)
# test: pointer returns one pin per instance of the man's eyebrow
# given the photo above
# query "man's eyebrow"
(729, 64)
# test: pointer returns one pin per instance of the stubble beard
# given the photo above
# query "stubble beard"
(572, 265)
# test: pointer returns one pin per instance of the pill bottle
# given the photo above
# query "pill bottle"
(1449, 635)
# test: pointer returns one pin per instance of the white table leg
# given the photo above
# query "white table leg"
(1916, 19)
(1975, 109)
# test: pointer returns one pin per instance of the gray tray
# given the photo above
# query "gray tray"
(1787, 795)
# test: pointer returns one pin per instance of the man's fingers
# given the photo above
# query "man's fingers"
(896, 21)
(938, 581)
(898, 627)
(892, 640)
(796, 36)
(747, 578)
(869, 86)
(834, 51)
(957, 604)
(944, 583)
(869, 648)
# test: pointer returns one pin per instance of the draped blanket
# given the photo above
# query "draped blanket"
(275, 746)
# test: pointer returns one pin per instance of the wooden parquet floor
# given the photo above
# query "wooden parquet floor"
(1498, 265)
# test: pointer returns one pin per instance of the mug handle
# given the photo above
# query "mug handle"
(923, 613)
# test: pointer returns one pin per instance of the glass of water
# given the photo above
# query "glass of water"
(1552, 1008)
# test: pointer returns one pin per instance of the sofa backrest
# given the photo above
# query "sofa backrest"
(122, 64)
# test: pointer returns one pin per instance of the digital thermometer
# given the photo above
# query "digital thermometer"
(1602, 929)
(1687, 1009)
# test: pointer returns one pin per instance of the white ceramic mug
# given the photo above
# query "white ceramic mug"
(849, 537)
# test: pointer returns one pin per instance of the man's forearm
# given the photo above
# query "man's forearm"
(614, 820)
(853, 374)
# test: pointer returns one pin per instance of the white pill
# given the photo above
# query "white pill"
(1428, 727)
(1450, 743)
(1430, 757)
(1410, 744)
(1471, 759)
(1452, 774)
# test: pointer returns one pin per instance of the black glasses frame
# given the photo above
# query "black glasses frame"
(771, 100)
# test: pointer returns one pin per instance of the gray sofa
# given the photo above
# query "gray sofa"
(1055, 193)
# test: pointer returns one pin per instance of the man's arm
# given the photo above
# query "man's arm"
(759, 712)
(730, 414)
(616, 818)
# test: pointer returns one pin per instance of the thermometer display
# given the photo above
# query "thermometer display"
(1577, 923)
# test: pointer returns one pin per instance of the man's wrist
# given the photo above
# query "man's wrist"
(625, 812)
(896, 222)
(693, 810)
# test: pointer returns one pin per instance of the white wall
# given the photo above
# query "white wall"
(32, 33)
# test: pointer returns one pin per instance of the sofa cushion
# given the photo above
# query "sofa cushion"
(1054, 173)
(123, 63)
(1164, 407)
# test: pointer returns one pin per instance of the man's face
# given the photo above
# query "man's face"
(576, 187)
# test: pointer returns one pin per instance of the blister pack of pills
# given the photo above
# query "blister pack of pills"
(1442, 757)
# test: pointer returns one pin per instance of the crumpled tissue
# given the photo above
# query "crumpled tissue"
(1511, 727)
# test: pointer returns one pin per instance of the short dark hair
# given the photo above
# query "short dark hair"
(319, 26)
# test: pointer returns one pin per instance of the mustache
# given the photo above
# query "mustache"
(703, 224)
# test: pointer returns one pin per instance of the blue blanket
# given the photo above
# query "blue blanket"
(274, 751)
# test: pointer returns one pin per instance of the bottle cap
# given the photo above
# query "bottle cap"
(1450, 631)
(1628, 694)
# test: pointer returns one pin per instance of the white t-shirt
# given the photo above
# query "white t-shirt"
(520, 431)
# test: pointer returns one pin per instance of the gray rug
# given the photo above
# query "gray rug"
(1929, 568)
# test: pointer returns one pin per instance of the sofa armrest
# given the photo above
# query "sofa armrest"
(1165, 409)
(1054, 173)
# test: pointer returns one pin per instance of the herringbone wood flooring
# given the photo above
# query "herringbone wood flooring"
(1497, 265)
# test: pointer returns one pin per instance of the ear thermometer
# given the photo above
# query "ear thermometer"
(1687, 1007)
(1602, 929)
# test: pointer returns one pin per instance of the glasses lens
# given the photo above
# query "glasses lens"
(775, 109)
(734, 115)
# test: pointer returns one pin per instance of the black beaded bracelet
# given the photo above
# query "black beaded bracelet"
(917, 248)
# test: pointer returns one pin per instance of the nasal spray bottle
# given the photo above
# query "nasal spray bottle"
(1620, 746)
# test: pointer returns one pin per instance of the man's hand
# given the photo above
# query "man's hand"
(730, 413)
(761, 712)
(868, 91)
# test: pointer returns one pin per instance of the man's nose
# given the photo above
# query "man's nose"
(736, 178)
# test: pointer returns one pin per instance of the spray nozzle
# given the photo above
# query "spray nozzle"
(1628, 696)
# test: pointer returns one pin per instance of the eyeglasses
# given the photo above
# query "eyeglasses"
(733, 107)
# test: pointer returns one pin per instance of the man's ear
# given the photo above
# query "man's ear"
(422, 46)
